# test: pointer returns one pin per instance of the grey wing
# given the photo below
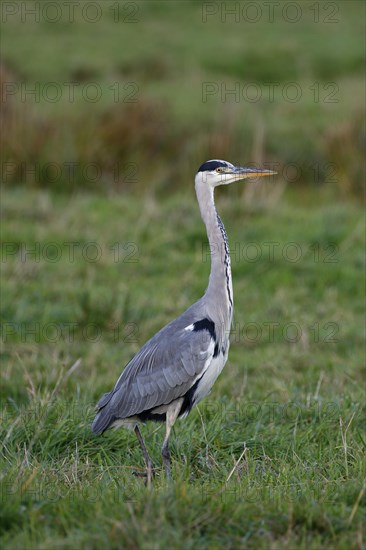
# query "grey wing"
(164, 369)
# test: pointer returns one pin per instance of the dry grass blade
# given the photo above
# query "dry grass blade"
(61, 380)
(244, 453)
(344, 439)
(357, 503)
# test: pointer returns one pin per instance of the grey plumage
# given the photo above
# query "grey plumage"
(177, 367)
(163, 370)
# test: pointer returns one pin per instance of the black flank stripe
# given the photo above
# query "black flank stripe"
(189, 399)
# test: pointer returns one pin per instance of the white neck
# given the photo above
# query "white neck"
(219, 293)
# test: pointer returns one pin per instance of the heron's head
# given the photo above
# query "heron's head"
(221, 172)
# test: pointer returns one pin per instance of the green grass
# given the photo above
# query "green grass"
(292, 397)
(275, 457)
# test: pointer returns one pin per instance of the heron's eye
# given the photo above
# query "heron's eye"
(218, 169)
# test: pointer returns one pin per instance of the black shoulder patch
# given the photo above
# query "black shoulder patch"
(205, 324)
(212, 165)
(216, 350)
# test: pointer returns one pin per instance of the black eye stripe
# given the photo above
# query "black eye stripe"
(212, 165)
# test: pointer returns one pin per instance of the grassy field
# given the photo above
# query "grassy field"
(291, 395)
(93, 266)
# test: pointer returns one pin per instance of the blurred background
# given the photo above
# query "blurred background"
(146, 91)
(107, 110)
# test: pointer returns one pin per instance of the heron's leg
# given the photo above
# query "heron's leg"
(148, 462)
(171, 417)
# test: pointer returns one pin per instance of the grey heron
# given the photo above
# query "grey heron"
(178, 366)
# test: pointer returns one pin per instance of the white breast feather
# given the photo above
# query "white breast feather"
(210, 376)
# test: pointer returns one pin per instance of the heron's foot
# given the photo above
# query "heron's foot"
(153, 472)
(148, 474)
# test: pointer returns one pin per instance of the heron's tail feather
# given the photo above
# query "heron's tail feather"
(102, 421)
(104, 400)
(103, 418)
